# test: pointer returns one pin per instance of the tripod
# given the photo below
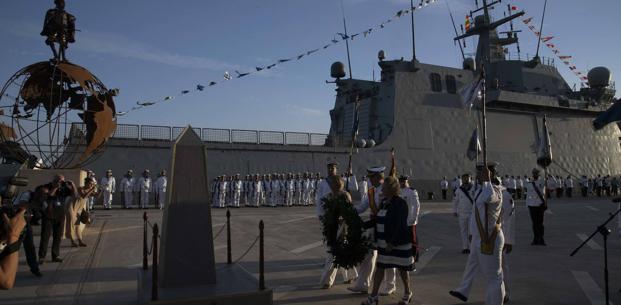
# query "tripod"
(604, 231)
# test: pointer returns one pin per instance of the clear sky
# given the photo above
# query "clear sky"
(154, 48)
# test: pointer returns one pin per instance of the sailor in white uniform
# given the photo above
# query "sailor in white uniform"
(410, 195)
(245, 199)
(127, 188)
(160, 189)
(364, 189)
(306, 189)
(444, 185)
(236, 191)
(462, 209)
(222, 190)
(91, 199)
(274, 190)
(487, 243)
(257, 187)
(299, 189)
(311, 189)
(520, 187)
(108, 186)
(367, 267)
(508, 229)
(215, 187)
(536, 194)
(144, 183)
(290, 187)
(329, 272)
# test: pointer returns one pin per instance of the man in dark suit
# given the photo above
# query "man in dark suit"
(53, 218)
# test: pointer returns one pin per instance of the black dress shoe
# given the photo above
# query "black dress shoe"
(458, 295)
(37, 273)
(57, 260)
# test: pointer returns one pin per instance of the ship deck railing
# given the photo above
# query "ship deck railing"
(214, 135)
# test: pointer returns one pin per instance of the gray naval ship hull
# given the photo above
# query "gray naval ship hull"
(429, 129)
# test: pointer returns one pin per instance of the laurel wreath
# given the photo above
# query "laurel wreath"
(348, 249)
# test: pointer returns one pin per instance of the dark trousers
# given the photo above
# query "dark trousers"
(50, 227)
(570, 190)
(598, 190)
(29, 249)
(443, 194)
(559, 192)
(415, 244)
(585, 191)
(519, 193)
(536, 216)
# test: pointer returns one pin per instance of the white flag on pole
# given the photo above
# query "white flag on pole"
(471, 93)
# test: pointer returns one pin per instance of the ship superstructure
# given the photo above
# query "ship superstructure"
(417, 109)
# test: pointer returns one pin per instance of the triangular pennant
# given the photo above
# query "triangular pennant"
(239, 75)
(312, 51)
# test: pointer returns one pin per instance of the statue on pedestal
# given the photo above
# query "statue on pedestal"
(59, 28)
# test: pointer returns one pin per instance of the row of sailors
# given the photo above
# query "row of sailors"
(516, 185)
(265, 190)
(132, 189)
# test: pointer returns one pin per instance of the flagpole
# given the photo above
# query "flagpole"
(545, 4)
(484, 111)
(353, 141)
(346, 39)
(413, 41)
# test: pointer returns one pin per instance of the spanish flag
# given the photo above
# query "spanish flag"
(467, 23)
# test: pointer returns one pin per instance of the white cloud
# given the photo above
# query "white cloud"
(121, 46)
(305, 110)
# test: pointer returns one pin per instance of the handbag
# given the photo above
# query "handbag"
(85, 217)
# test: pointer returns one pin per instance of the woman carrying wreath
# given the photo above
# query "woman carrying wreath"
(75, 204)
(393, 240)
(338, 196)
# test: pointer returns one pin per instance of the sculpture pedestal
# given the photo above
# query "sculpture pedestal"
(187, 270)
(234, 286)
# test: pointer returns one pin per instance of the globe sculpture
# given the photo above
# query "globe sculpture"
(61, 114)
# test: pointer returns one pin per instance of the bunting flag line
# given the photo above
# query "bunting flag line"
(335, 40)
(565, 59)
(547, 38)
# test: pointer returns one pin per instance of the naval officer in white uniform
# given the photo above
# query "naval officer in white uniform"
(160, 189)
(108, 186)
(462, 209)
(487, 242)
(329, 272)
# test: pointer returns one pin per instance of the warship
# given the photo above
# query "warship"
(416, 108)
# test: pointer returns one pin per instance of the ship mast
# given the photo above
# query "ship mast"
(413, 40)
(482, 28)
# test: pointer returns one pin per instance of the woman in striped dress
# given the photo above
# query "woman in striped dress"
(393, 240)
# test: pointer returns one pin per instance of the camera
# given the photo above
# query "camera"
(8, 192)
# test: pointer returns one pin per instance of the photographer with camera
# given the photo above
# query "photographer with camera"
(9, 247)
(31, 202)
(53, 218)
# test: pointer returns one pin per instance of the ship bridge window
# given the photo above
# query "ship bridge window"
(436, 82)
(451, 84)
